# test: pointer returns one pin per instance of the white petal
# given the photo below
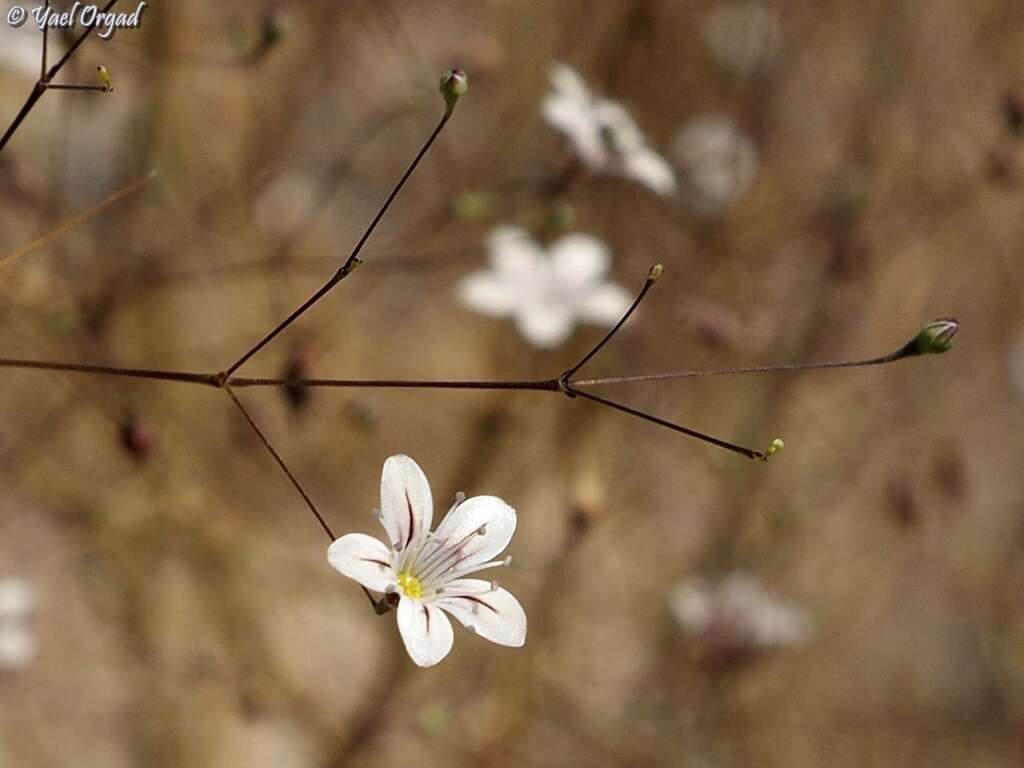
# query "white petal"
(425, 630)
(650, 169)
(515, 256)
(545, 324)
(605, 305)
(488, 294)
(492, 614)
(364, 559)
(579, 260)
(17, 647)
(489, 514)
(568, 84)
(16, 598)
(405, 501)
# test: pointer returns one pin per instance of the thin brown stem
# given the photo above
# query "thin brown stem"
(100, 88)
(749, 453)
(280, 463)
(353, 258)
(652, 278)
(105, 370)
(549, 385)
(46, 30)
(734, 371)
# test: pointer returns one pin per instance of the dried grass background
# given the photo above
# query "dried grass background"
(187, 615)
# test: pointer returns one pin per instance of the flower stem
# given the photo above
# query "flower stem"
(280, 462)
(353, 259)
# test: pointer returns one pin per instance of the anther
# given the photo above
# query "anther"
(482, 530)
(377, 514)
(460, 496)
(507, 561)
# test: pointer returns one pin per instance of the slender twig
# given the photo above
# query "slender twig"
(106, 370)
(652, 278)
(44, 81)
(748, 452)
(77, 219)
(549, 385)
(353, 258)
(377, 604)
(890, 358)
(280, 463)
(46, 31)
(101, 88)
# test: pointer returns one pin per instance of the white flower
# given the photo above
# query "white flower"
(738, 614)
(741, 35)
(427, 570)
(602, 133)
(21, 48)
(17, 644)
(718, 162)
(546, 292)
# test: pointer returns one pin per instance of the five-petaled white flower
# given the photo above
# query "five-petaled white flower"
(17, 644)
(427, 570)
(602, 133)
(546, 292)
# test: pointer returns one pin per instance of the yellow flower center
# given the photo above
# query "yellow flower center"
(410, 585)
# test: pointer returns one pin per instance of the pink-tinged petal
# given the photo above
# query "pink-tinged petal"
(515, 255)
(545, 325)
(579, 260)
(364, 559)
(481, 527)
(494, 614)
(425, 630)
(605, 305)
(407, 508)
(488, 294)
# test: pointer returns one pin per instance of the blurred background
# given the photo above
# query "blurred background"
(844, 171)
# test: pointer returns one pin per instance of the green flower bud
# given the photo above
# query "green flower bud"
(453, 85)
(937, 336)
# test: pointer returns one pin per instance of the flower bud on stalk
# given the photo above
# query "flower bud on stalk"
(936, 337)
(454, 84)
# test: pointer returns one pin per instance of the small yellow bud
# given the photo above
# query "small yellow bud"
(655, 274)
(104, 75)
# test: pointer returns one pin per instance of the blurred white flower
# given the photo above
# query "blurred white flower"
(546, 292)
(21, 49)
(602, 133)
(741, 35)
(284, 203)
(17, 644)
(737, 614)
(426, 570)
(717, 161)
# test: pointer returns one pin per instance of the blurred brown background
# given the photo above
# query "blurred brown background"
(184, 611)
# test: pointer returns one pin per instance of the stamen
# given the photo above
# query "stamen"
(507, 561)
(460, 497)
(377, 514)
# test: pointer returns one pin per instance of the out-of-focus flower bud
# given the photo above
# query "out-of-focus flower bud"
(137, 440)
(295, 370)
(454, 84)
(104, 75)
